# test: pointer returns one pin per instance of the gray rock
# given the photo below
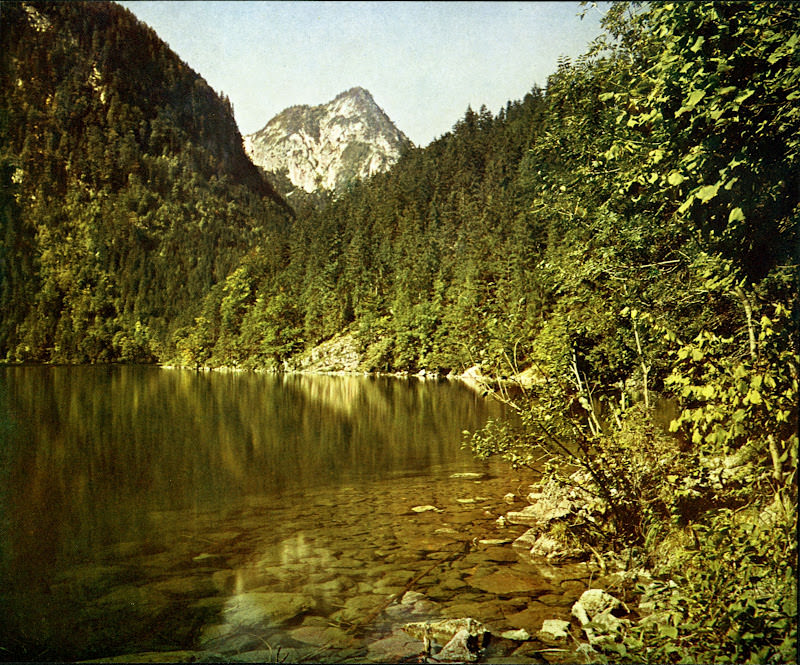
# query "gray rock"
(554, 631)
(595, 610)
(593, 602)
(461, 648)
(539, 513)
(526, 540)
(443, 631)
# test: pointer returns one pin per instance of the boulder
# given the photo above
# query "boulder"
(593, 602)
(543, 546)
(526, 540)
(540, 513)
(443, 631)
(596, 610)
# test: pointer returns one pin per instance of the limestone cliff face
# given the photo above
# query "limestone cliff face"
(326, 146)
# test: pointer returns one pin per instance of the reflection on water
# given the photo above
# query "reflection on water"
(98, 448)
(103, 463)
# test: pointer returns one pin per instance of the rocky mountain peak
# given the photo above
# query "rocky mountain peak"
(329, 145)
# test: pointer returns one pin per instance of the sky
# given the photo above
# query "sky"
(425, 63)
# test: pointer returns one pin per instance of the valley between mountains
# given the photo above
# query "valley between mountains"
(623, 235)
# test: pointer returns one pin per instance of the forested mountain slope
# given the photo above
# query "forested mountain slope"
(658, 174)
(126, 193)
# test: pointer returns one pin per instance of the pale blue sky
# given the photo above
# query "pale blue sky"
(423, 62)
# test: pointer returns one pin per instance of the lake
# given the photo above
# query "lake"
(253, 517)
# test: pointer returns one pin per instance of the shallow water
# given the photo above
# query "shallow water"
(254, 517)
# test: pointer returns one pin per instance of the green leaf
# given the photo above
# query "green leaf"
(665, 630)
(736, 215)
(695, 97)
(675, 178)
(753, 396)
(708, 192)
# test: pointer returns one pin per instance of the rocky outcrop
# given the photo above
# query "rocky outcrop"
(553, 507)
(324, 147)
(339, 354)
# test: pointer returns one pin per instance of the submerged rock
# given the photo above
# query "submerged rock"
(412, 605)
(161, 657)
(322, 636)
(518, 635)
(505, 582)
(398, 646)
(265, 608)
(533, 616)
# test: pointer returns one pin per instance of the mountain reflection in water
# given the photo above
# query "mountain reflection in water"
(101, 462)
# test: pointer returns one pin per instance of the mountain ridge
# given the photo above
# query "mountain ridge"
(326, 146)
(126, 193)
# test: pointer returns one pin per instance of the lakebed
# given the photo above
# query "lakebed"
(183, 516)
